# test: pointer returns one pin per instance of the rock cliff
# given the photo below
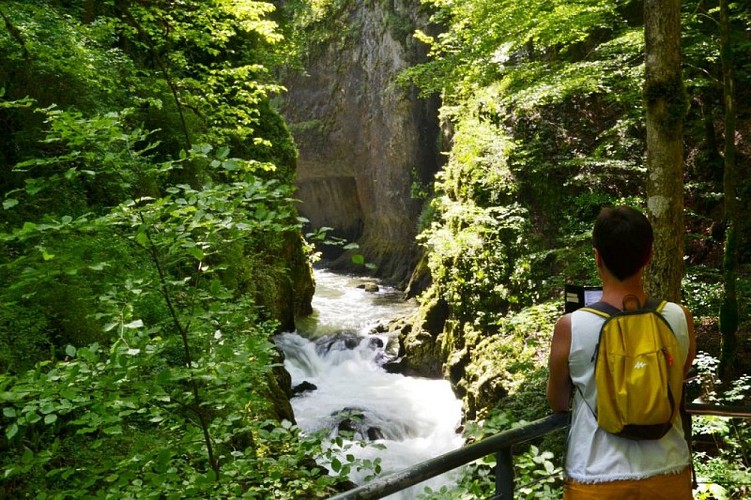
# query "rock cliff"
(363, 140)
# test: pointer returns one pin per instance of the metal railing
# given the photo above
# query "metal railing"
(499, 444)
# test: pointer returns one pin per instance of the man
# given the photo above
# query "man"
(601, 465)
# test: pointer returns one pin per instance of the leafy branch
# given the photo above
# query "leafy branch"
(15, 33)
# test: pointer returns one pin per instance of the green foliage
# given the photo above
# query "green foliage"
(419, 190)
(543, 101)
(322, 237)
(135, 326)
(541, 73)
(118, 422)
(484, 38)
(701, 292)
(24, 337)
(721, 444)
(191, 373)
(473, 257)
(507, 369)
(537, 473)
(62, 54)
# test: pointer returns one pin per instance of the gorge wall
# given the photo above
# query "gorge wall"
(363, 140)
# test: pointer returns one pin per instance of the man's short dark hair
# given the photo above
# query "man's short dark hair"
(623, 237)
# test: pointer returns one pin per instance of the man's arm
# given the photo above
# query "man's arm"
(559, 381)
(691, 341)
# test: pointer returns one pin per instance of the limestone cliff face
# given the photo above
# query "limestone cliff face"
(362, 139)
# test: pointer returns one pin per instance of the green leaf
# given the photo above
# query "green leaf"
(50, 419)
(9, 203)
(110, 326)
(142, 239)
(11, 431)
(9, 412)
(70, 350)
(164, 376)
(215, 287)
(196, 252)
(358, 259)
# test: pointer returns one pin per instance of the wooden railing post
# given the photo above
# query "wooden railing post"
(504, 474)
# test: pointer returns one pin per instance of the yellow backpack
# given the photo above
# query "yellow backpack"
(638, 371)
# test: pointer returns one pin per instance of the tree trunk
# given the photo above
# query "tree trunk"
(666, 104)
(729, 307)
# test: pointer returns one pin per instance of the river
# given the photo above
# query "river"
(412, 419)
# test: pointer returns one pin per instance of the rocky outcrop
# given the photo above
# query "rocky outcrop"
(418, 340)
(362, 138)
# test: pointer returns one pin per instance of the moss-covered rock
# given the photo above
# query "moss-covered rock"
(483, 366)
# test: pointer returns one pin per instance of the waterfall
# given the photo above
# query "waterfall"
(405, 420)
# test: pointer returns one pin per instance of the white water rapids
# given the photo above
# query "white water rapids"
(415, 419)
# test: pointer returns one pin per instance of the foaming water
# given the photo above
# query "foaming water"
(412, 419)
(340, 306)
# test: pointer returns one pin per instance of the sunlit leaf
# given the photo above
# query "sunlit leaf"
(11, 431)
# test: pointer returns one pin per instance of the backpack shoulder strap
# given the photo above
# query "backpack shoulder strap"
(602, 309)
(654, 304)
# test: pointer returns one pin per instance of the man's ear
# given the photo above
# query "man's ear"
(598, 258)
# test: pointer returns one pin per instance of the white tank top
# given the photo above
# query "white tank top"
(594, 455)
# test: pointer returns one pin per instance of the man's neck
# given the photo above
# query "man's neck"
(614, 292)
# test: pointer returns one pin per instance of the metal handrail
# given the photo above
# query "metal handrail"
(720, 411)
(500, 444)
(405, 478)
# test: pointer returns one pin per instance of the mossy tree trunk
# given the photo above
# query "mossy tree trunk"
(666, 105)
(729, 306)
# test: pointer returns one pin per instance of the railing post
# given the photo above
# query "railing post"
(504, 474)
